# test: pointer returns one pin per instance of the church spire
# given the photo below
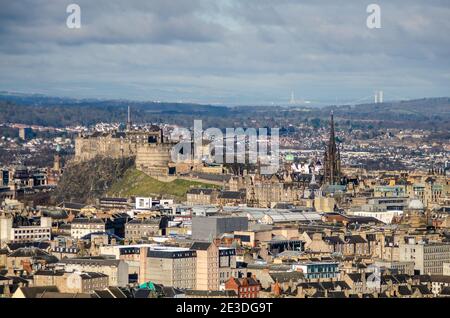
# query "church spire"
(332, 162)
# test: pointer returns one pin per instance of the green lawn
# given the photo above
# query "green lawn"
(136, 183)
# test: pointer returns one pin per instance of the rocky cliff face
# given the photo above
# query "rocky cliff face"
(83, 182)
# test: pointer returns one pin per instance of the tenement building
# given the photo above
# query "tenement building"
(429, 258)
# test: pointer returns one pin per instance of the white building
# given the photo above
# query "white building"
(83, 227)
(384, 209)
(23, 233)
(428, 258)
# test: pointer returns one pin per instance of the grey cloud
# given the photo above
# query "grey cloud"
(226, 50)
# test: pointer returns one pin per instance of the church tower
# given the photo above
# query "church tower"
(332, 158)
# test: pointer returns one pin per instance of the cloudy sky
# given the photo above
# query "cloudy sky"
(226, 51)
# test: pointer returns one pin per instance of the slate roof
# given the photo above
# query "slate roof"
(205, 191)
(333, 240)
(16, 245)
(34, 253)
(91, 261)
(404, 291)
(231, 195)
(284, 277)
(50, 294)
(202, 246)
(423, 289)
(32, 292)
(3, 251)
(103, 294)
(116, 292)
(336, 294)
(445, 291)
(87, 221)
(211, 293)
(355, 277)
(355, 239)
(440, 278)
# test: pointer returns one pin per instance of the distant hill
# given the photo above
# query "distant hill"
(419, 109)
(62, 112)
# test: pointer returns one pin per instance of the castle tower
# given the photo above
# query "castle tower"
(332, 160)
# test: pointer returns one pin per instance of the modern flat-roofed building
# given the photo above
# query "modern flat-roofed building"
(208, 228)
(396, 267)
(318, 270)
(428, 258)
(385, 209)
(22, 233)
(169, 266)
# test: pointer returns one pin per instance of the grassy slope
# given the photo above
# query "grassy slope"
(136, 183)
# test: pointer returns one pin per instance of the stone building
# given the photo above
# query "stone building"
(138, 229)
(76, 282)
(207, 266)
(169, 266)
(201, 196)
(116, 270)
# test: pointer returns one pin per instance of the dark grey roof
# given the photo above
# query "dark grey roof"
(55, 214)
(143, 293)
(171, 292)
(205, 191)
(231, 195)
(440, 278)
(50, 294)
(16, 245)
(116, 292)
(3, 278)
(404, 291)
(212, 177)
(87, 220)
(422, 288)
(284, 277)
(103, 294)
(445, 291)
(355, 277)
(91, 261)
(32, 292)
(34, 253)
(355, 239)
(211, 293)
(49, 273)
(333, 240)
(200, 246)
(336, 294)
(91, 275)
(423, 278)
(145, 221)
